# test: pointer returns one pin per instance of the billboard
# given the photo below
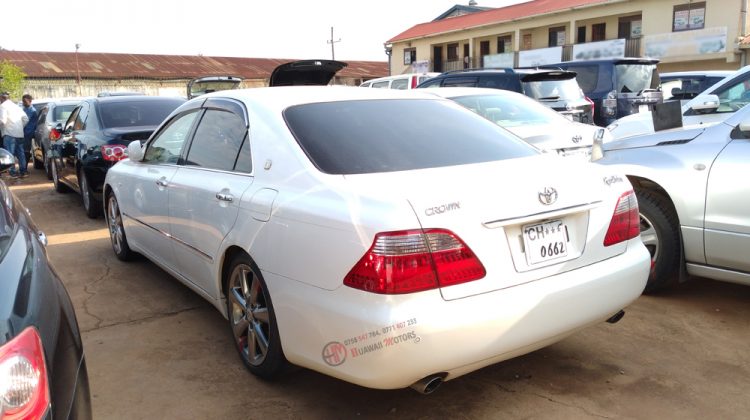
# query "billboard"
(688, 43)
(539, 57)
(603, 49)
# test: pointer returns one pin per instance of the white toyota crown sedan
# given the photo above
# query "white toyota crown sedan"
(386, 238)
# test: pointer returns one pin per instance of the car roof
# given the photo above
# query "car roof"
(454, 92)
(282, 97)
(621, 60)
(719, 73)
(135, 98)
(402, 76)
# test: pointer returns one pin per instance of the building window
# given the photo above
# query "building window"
(452, 52)
(599, 32)
(689, 16)
(527, 42)
(503, 44)
(557, 36)
(629, 27)
(410, 56)
(581, 38)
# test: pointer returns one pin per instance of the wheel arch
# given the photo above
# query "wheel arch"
(226, 259)
(643, 183)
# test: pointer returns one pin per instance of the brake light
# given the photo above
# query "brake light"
(626, 223)
(593, 108)
(54, 134)
(24, 391)
(414, 82)
(114, 152)
(414, 260)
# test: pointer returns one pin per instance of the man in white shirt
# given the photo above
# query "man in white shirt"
(12, 121)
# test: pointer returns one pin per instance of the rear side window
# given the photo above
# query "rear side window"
(400, 84)
(460, 81)
(553, 90)
(381, 85)
(505, 82)
(587, 77)
(217, 140)
(430, 83)
(345, 138)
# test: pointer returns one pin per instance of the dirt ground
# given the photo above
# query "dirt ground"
(156, 350)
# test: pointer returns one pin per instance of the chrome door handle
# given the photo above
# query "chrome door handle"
(162, 182)
(225, 197)
(42, 238)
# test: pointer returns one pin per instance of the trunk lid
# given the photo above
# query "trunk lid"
(540, 193)
(305, 72)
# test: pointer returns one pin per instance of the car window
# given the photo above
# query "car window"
(62, 112)
(734, 96)
(587, 77)
(552, 90)
(167, 145)
(511, 111)
(400, 84)
(431, 83)
(217, 140)
(366, 84)
(136, 113)
(343, 138)
(633, 78)
(500, 81)
(381, 85)
(460, 81)
(244, 160)
(72, 119)
(80, 121)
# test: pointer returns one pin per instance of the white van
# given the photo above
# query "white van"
(401, 81)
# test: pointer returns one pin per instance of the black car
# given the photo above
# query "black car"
(52, 116)
(618, 86)
(42, 365)
(556, 89)
(96, 136)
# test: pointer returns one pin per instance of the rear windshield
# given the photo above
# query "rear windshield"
(62, 112)
(136, 113)
(553, 90)
(203, 88)
(361, 137)
(633, 78)
(511, 111)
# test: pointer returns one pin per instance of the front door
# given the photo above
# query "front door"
(144, 201)
(205, 194)
(437, 59)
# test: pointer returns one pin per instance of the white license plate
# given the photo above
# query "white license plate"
(545, 241)
(643, 108)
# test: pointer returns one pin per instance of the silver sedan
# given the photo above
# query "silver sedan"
(694, 197)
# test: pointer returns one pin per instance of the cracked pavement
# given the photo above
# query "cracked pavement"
(157, 350)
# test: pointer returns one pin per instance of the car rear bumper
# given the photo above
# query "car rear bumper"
(392, 341)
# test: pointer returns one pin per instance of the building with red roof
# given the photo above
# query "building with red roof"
(683, 34)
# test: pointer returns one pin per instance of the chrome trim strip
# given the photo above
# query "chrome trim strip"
(717, 273)
(548, 214)
(198, 251)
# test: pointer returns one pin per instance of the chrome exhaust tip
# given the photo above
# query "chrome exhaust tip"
(428, 384)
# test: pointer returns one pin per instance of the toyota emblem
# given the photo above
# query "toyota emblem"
(548, 196)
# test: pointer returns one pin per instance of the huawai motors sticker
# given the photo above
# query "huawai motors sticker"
(335, 353)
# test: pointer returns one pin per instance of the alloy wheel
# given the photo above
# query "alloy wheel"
(114, 220)
(650, 239)
(249, 314)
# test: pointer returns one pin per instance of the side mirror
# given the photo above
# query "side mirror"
(597, 152)
(744, 127)
(135, 151)
(59, 127)
(705, 103)
(7, 160)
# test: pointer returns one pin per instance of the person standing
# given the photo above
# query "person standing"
(12, 121)
(30, 127)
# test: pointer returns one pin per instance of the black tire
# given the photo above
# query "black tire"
(117, 230)
(59, 186)
(660, 233)
(91, 206)
(48, 166)
(253, 329)
(38, 164)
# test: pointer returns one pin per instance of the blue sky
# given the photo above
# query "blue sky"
(271, 29)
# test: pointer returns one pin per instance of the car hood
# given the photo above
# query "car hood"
(305, 72)
(673, 136)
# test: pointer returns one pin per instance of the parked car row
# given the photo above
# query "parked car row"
(404, 221)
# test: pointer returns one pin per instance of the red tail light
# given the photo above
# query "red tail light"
(626, 223)
(54, 134)
(414, 82)
(414, 260)
(114, 152)
(593, 107)
(24, 392)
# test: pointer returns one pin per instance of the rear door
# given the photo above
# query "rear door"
(205, 192)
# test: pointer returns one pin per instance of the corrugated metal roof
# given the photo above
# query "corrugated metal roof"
(499, 15)
(163, 67)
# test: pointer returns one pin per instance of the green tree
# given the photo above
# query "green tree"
(11, 79)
